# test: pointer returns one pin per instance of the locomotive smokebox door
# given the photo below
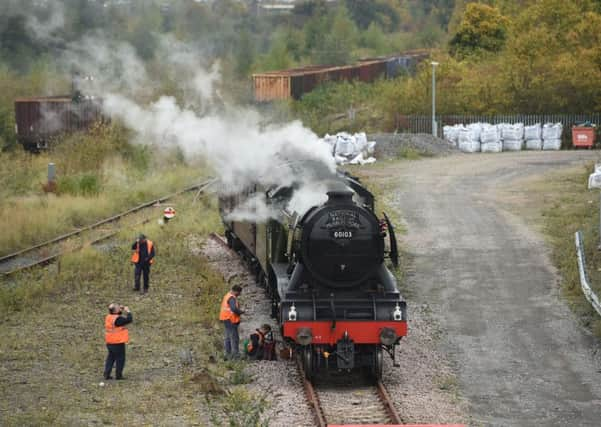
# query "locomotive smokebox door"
(345, 354)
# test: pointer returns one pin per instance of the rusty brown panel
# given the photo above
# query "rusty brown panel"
(272, 87)
(368, 72)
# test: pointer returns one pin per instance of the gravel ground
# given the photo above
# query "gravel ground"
(390, 145)
(278, 380)
(423, 387)
(519, 354)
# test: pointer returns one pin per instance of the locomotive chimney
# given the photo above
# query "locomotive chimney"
(339, 197)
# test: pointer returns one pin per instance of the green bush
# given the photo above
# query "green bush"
(89, 185)
(79, 185)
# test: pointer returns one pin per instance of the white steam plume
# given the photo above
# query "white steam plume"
(234, 140)
(54, 19)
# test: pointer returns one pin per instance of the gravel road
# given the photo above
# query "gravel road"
(519, 353)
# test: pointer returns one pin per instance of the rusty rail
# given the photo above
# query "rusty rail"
(388, 405)
(312, 398)
(46, 260)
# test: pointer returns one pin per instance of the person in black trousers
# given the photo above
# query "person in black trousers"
(116, 336)
(142, 257)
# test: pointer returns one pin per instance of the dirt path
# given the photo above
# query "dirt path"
(520, 356)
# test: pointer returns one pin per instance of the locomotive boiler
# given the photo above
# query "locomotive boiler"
(337, 304)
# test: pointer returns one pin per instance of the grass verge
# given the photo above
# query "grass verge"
(99, 174)
(52, 347)
(559, 204)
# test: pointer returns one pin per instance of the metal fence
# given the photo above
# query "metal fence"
(423, 124)
(584, 280)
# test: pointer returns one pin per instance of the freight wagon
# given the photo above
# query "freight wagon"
(39, 120)
(295, 82)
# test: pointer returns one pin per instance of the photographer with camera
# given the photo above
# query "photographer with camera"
(116, 336)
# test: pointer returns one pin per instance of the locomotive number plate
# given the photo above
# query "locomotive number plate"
(342, 234)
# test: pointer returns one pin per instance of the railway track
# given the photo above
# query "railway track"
(353, 399)
(349, 399)
(47, 252)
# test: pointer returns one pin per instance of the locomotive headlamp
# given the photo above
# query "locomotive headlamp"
(388, 336)
(292, 313)
(304, 336)
(397, 314)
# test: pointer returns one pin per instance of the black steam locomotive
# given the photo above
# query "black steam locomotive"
(337, 303)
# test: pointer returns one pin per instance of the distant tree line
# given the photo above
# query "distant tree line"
(496, 56)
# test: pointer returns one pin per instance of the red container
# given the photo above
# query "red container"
(583, 136)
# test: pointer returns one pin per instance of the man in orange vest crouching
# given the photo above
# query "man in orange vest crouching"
(142, 257)
(230, 316)
(116, 336)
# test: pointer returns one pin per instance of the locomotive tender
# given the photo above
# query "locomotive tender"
(335, 300)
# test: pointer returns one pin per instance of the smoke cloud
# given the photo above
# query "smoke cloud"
(236, 141)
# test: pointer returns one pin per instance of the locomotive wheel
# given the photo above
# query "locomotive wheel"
(307, 356)
(377, 363)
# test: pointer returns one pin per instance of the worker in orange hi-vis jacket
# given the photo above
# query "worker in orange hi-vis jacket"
(116, 336)
(230, 316)
(142, 258)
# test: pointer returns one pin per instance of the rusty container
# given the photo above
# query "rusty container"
(583, 136)
(271, 86)
(370, 71)
(40, 119)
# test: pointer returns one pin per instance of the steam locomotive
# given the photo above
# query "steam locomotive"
(337, 303)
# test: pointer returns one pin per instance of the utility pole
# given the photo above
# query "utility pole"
(434, 125)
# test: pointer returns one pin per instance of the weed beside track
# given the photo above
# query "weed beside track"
(52, 346)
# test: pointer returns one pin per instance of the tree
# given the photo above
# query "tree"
(553, 58)
(364, 12)
(315, 31)
(374, 38)
(244, 54)
(277, 58)
(482, 28)
(339, 43)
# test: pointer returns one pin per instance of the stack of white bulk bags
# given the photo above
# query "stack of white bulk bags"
(347, 148)
(490, 138)
(532, 135)
(451, 133)
(513, 137)
(552, 136)
(466, 140)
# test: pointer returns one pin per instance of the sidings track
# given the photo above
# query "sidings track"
(47, 252)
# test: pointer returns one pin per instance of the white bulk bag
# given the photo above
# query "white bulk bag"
(489, 134)
(551, 144)
(491, 147)
(513, 132)
(532, 132)
(534, 144)
(512, 145)
(594, 180)
(552, 131)
(475, 129)
(360, 141)
(450, 133)
(344, 147)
